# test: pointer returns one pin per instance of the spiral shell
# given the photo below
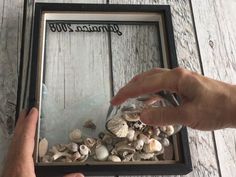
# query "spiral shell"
(90, 142)
(118, 127)
(84, 150)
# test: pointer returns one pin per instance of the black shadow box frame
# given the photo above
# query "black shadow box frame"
(183, 166)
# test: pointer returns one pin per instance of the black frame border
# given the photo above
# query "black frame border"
(103, 170)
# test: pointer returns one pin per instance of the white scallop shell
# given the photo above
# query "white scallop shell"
(43, 147)
(118, 127)
(75, 136)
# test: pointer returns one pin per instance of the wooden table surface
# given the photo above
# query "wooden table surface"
(205, 39)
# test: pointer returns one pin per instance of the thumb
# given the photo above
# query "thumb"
(74, 175)
(163, 116)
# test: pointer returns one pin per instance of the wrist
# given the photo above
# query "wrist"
(232, 106)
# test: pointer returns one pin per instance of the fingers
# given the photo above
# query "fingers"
(74, 175)
(31, 123)
(20, 121)
(148, 73)
(163, 116)
(151, 83)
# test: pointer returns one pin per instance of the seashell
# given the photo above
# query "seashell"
(130, 135)
(118, 127)
(136, 134)
(43, 147)
(61, 147)
(139, 144)
(139, 125)
(131, 107)
(107, 139)
(169, 129)
(114, 151)
(57, 154)
(128, 157)
(152, 146)
(114, 158)
(143, 137)
(73, 147)
(76, 156)
(146, 156)
(90, 124)
(101, 135)
(165, 142)
(75, 136)
(84, 150)
(156, 137)
(83, 158)
(156, 131)
(90, 142)
(131, 117)
(101, 153)
(122, 148)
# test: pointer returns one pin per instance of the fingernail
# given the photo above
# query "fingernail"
(32, 111)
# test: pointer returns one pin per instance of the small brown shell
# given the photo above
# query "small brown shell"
(90, 124)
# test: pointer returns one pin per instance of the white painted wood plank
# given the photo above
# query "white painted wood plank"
(217, 41)
(10, 42)
(201, 143)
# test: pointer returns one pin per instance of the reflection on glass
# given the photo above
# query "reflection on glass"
(84, 65)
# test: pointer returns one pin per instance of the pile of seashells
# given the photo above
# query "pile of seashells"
(126, 138)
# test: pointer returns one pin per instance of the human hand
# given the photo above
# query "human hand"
(206, 104)
(19, 161)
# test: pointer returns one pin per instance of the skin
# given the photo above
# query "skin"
(19, 161)
(206, 104)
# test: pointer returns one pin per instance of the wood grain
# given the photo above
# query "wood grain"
(217, 41)
(10, 44)
(201, 143)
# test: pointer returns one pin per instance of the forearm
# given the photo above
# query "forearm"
(232, 107)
